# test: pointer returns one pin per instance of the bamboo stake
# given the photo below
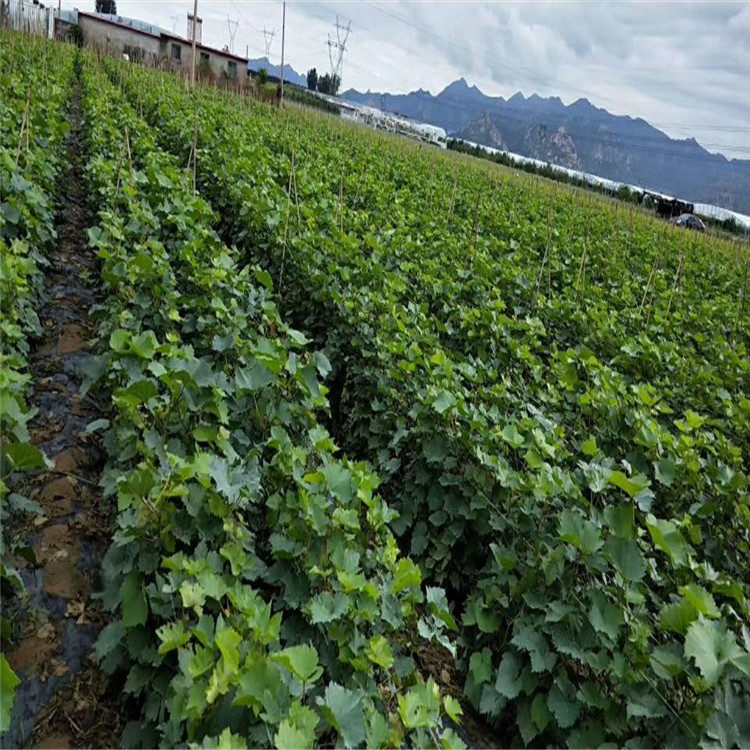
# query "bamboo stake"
(546, 251)
(296, 198)
(676, 283)
(286, 225)
(119, 171)
(654, 269)
(195, 151)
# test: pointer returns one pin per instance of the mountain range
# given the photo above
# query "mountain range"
(274, 71)
(579, 136)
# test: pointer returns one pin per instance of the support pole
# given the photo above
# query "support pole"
(195, 38)
(283, 29)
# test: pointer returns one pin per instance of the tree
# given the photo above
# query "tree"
(328, 84)
(262, 77)
(106, 6)
(312, 79)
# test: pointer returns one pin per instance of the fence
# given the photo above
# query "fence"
(27, 16)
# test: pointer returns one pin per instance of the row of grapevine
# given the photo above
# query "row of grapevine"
(36, 86)
(555, 394)
(257, 594)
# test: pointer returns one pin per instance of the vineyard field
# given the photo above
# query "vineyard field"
(402, 448)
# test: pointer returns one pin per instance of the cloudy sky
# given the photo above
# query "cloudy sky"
(684, 67)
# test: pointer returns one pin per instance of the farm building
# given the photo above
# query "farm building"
(117, 35)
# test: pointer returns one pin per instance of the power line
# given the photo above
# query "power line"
(232, 27)
(337, 68)
(268, 38)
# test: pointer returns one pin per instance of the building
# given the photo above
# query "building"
(146, 43)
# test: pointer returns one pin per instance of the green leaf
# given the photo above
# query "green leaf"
(632, 486)
(9, 681)
(453, 708)
(24, 456)
(507, 680)
(701, 600)
(711, 647)
(437, 604)
(172, 636)
(604, 616)
(339, 481)
(678, 616)
(443, 402)
(580, 532)
(540, 714)
(589, 447)
(264, 278)
(134, 605)
(512, 436)
(227, 641)
(144, 345)
(255, 377)
(301, 661)
(664, 470)
(524, 721)
(621, 520)
(326, 608)
(480, 666)
(298, 729)
(420, 707)
(343, 710)
(379, 651)
(529, 638)
(406, 575)
(563, 704)
(667, 537)
(230, 741)
(118, 340)
(626, 557)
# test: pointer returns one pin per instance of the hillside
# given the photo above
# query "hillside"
(579, 136)
(274, 71)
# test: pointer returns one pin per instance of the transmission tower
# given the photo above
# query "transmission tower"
(174, 24)
(268, 38)
(232, 26)
(336, 49)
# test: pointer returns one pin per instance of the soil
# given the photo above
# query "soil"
(63, 699)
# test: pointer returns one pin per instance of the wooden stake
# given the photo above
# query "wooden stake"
(475, 228)
(453, 196)
(582, 267)
(743, 296)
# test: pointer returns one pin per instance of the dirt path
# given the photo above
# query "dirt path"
(62, 700)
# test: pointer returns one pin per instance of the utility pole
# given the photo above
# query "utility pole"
(195, 38)
(232, 26)
(337, 68)
(283, 31)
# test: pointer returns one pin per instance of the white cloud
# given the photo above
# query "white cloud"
(683, 67)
